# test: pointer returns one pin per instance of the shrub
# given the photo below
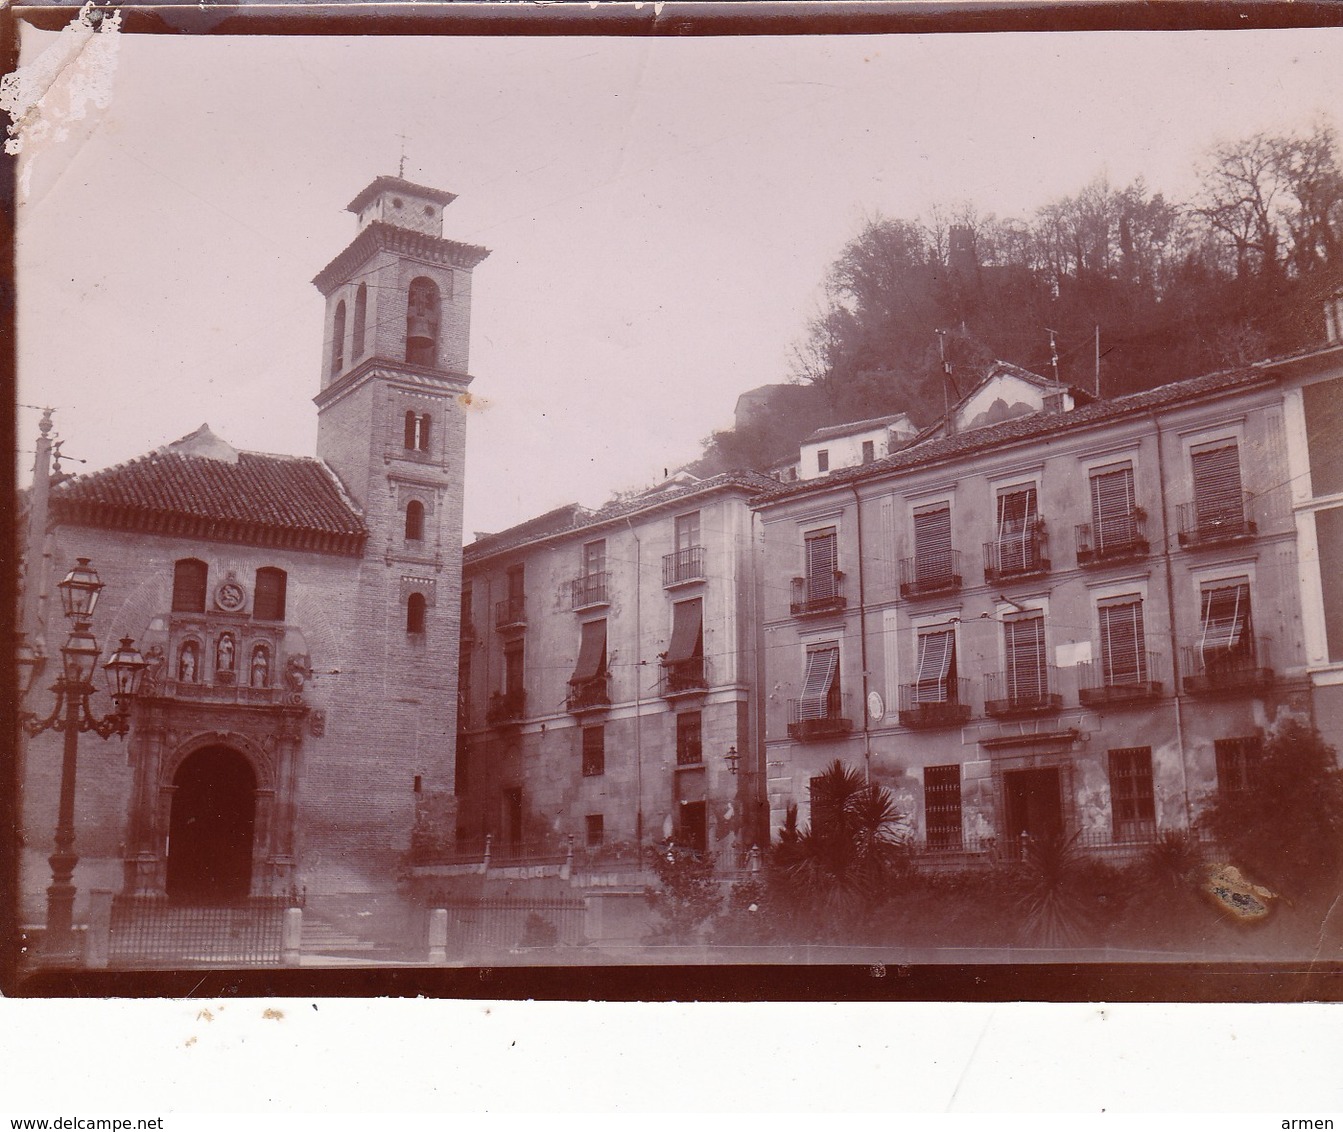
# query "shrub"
(688, 893)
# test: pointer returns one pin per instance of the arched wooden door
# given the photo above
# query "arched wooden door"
(212, 827)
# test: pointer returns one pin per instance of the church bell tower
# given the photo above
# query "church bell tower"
(392, 426)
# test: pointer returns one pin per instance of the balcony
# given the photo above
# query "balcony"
(934, 704)
(511, 613)
(1215, 524)
(687, 677)
(589, 590)
(1227, 671)
(1033, 691)
(1134, 686)
(818, 594)
(683, 567)
(589, 695)
(506, 708)
(1116, 538)
(926, 575)
(812, 722)
(1016, 556)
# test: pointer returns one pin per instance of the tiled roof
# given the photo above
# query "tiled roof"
(535, 530)
(922, 452)
(259, 499)
(853, 427)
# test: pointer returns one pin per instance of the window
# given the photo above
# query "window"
(414, 520)
(1237, 763)
(594, 557)
(338, 339)
(1225, 640)
(687, 531)
(1112, 508)
(465, 617)
(869, 451)
(937, 667)
(464, 690)
(422, 308)
(594, 751)
(189, 578)
(1123, 645)
(932, 543)
(416, 437)
(942, 806)
(1218, 500)
(1017, 516)
(360, 319)
(1027, 676)
(684, 659)
(513, 668)
(823, 461)
(820, 685)
(516, 580)
(587, 686)
(822, 559)
(689, 747)
(686, 562)
(1132, 802)
(596, 830)
(268, 601)
(415, 610)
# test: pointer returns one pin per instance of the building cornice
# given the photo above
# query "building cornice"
(447, 383)
(403, 242)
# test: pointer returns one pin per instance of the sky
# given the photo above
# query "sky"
(661, 214)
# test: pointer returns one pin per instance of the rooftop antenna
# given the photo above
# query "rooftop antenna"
(401, 168)
(947, 379)
(1053, 355)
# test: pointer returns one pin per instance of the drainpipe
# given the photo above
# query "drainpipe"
(862, 636)
(1174, 642)
(638, 690)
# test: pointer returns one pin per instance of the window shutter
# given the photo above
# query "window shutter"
(822, 665)
(1226, 621)
(591, 651)
(942, 805)
(687, 639)
(932, 543)
(822, 561)
(1016, 517)
(935, 656)
(1217, 489)
(1123, 648)
(1132, 801)
(1025, 641)
(1112, 507)
(189, 585)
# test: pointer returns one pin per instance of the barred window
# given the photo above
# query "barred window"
(942, 806)
(1132, 799)
(1238, 763)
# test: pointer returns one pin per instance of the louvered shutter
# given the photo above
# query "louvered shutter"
(1112, 508)
(822, 562)
(932, 544)
(935, 655)
(1025, 641)
(1016, 520)
(1217, 491)
(822, 664)
(1226, 622)
(1123, 647)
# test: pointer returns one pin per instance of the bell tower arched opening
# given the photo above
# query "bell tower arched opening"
(212, 826)
(422, 318)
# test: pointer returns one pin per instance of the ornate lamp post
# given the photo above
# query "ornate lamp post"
(71, 715)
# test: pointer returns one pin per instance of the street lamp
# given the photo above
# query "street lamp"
(732, 757)
(71, 715)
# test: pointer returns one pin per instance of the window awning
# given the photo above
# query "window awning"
(687, 631)
(1226, 617)
(822, 664)
(592, 651)
(935, 653)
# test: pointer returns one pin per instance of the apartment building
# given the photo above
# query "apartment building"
(608, 676)
(1053, 614)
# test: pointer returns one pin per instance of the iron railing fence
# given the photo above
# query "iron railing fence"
(924, 575)
(1020, 555)
(1211, 523)
(511, 613)
(814, 719)
(684, 677)
(505, 708)
(588, 590)
(818, 593)
(1244, 667)
(935, 703)
(684, 565)
(1139, 681)
(1025, 691)
(155, 931)
(1113, 537)
(592, 694)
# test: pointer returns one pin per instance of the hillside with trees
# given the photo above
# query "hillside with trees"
(1171, 289)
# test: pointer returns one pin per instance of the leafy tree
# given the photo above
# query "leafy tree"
(1286, 830)
(688, 893)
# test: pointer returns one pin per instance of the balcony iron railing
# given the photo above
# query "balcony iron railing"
(682, 566)
(1203, 524)
(830, 719)
(685, 677)
(932, 704)
(1026, 691)
(505, 708)
(593, 694)
(1139, 683)
(1112, 539)
(818, 593)
(511, 613)
(928, 574)
(588, 590)
(1217, 671)
(1021, 555)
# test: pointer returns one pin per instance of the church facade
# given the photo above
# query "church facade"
(297, 724)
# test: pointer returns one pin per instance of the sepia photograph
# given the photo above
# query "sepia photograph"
(662, 503)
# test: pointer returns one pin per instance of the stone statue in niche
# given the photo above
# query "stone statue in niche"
(224, 657)
(260, 667)
(187, 662)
